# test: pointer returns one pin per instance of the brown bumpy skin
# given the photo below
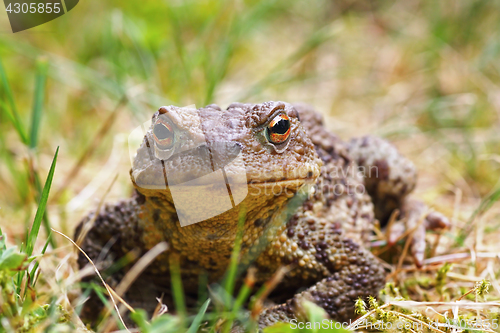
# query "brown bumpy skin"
(325, 240)
(389, 176)
(389, 179)
(318, 223)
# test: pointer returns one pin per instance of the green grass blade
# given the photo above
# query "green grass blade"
(2, 241)
(38, 100)
(45, 220)
(232, 270)
(243, 295)
(199, 317)
(178, 290)
(37, 263)
(41, 208)
(13, 115)
(485, 204)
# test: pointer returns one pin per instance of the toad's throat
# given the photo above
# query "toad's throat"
(214, 212)
(263, 216)
(214, 201)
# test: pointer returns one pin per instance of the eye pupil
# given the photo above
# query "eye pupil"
(163, 135)
(278, 129)
(162, 132)
(281, 126)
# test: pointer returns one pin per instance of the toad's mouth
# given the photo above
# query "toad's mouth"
(295, 182)
(157, 176)
(310, 176)
(292, 181)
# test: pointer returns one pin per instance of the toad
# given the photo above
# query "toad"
(300, 196)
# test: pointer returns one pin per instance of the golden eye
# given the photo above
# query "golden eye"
(163, 134)
(278, 129)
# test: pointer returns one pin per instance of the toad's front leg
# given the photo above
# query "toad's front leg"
(353, 272)
(389, 179)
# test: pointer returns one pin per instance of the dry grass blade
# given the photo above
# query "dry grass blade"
(139, 267)
(429, 326)
(411, 305)
(398, 314)
(160, 308)
(361, 319)
(464, 304)
(460, 256)
(132, 275)
(267, 288)
(407, 233)
(463, 277)
(87, 226)
(111, 293)
(407, 244)
(392, 220)
(90, 149)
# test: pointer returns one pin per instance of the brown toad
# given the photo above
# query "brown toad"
(308, 199)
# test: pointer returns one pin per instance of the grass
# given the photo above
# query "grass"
(424, 74)
(22, 308)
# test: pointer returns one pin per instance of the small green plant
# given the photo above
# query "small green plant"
(441, 278)
(22, 310)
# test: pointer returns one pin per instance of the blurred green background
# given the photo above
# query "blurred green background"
(425, 74)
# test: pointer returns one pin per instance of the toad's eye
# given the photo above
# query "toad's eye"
(163, 134)
(278, 129)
